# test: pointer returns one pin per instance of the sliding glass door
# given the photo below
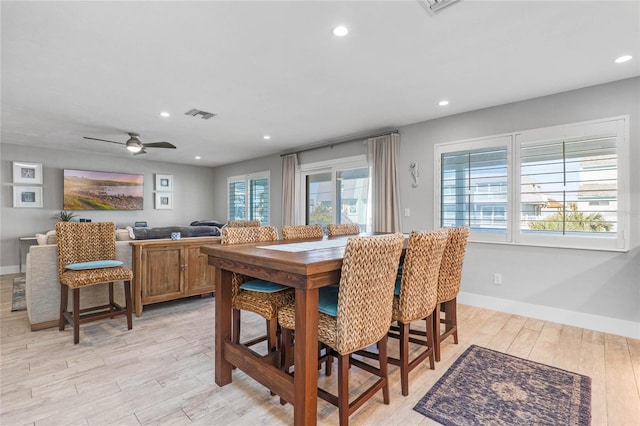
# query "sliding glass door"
(336, 192)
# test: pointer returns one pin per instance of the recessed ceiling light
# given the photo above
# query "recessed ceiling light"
(622, 59)
(340, 31)
(443, 103)
(165, 114)
(266, 137)
(198, 157)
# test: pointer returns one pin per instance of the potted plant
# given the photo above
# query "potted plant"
(65, 216)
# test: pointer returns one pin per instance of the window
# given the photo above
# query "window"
(336, 191)
(568, 185)
(248, 197)
(474, 187)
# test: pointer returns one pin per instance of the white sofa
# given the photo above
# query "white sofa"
(42, 288)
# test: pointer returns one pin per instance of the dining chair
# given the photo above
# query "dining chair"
(415, 298)
(296, 232)
(242, 223)
(449, 287)
(86, 257)
(334, 229)
(259, 296)
(356, 314)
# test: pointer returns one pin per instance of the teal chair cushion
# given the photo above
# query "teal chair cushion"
(94, 264)
(262, 286)
(328, 300)
(396, 290)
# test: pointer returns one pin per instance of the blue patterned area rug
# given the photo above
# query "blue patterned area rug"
(18, 302)
(485, 387)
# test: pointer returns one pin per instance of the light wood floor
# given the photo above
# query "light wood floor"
(161, 372)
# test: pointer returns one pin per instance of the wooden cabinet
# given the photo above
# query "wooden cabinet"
(167, 270)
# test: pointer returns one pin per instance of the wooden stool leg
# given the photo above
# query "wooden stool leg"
(64, 299)
(404, 357)
(429, 336)
(343, 389)
(128, 304)
(384, 371)
(436, 332)
(329, 362)
(452, 318)
(76, 316)
(272, 331)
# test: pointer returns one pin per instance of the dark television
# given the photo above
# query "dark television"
(91, 190)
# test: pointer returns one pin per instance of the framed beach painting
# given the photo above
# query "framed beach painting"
(93, 190)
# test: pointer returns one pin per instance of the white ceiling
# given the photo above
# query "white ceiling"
(102, 69)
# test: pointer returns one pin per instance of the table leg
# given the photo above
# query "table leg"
(223, 325)
(305, 405)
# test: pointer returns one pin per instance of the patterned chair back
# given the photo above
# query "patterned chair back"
(334, 229)
(296, 232)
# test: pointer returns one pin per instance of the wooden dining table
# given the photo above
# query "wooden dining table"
(305, 271)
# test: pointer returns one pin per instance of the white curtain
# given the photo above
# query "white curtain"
(382, 156)
(289, 173)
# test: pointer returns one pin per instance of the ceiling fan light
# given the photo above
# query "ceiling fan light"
(134, 145)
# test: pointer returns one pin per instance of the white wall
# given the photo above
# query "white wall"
(193, 199)
(593, 289)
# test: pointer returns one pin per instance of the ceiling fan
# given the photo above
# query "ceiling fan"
(135, 145)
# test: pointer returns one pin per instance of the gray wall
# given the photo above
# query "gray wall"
(193, 199)
(590, 283)
(593, 282)
(600, 283)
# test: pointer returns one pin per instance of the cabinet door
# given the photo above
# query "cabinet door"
(198, 274)
(163, 277)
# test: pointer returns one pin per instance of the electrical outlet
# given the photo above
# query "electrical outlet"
(407, 212)
(497, 278)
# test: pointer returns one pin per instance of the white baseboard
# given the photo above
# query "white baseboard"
(546, 313)
(11, 269)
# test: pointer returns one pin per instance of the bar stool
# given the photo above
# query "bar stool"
(86, 257)
(449, 286)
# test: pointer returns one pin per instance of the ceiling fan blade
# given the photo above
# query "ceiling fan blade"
(159, 145)
(103, 140)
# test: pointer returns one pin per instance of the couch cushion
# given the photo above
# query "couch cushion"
(166, 231)
(122, 235)
(41, 239)
(51, 237)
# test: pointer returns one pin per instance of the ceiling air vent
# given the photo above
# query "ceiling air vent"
(435, 6)
(203, 114)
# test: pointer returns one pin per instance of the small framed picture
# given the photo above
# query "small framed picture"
(27, 196)
(164, 200)
(29, 173)
(164, 183)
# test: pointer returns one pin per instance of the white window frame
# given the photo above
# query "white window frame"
(514, 141)
(247, 179)
(327, 166)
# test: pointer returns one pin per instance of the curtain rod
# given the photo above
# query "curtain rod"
(339, 142)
